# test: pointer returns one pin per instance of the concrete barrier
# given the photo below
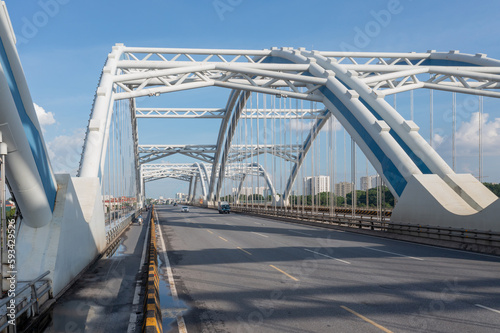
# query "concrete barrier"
(152, 309)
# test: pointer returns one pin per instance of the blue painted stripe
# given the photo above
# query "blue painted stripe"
(417, 160)
(438, 62)
(32, 134)
(391, 173)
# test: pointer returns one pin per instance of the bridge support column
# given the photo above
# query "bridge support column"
(431, 200)
(74, 237)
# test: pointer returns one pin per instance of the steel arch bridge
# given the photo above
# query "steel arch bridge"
(352, 87)
(60, 212)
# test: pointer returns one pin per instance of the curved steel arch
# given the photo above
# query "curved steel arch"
(190, 172)
(350, 85)
(202, 174)
(263, 173)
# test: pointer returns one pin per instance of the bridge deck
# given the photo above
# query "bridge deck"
(241, 273)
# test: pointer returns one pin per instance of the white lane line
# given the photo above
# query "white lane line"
(230, 225)
(298, 232)
(180, 320)
(396, 254)
(487, 308)
(236, 218)
(259, 234)
(211, 218)
(324, 255)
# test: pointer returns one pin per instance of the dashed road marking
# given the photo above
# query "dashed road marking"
(397, 254)
(366, 319)
(282, 271)
(239, 248)
(327, 256)
(259, 234)
(487, 308)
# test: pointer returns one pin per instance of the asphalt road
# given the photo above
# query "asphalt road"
(240, 273)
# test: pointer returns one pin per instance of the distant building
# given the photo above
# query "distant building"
(368, 182)
(180, 196)
(342, 188)
(249, 190)
(316, 184)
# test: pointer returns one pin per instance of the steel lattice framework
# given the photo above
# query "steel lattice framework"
(351, 86)
(198, 172)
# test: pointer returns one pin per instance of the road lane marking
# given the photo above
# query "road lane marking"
(259, 234)
(298, 232)
(223, 239)
(211, 218)
(230, 225)
(173, 291)
(236, 218)
(487, 308)
(279, 270)
(209, 231)
(239, 248)
(366, 319)
(397, 254)
(324, 255)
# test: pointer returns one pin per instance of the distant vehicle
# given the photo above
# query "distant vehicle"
(175, 203)
(185, 209)
(139, 219)
(224, 207)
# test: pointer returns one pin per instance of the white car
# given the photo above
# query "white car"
(185, 209)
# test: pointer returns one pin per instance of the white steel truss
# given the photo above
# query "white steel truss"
(213, 113)
(199, 171)
(351, 85)
(237, 153)
(148, 153)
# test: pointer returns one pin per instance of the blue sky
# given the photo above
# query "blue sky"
(63, 50)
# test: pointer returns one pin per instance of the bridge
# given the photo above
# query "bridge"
(276, 156)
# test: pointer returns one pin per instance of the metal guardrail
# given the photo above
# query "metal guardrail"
(33, 301)
(368, 223)
(113, 233)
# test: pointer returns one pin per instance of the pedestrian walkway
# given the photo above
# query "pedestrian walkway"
(106, 297)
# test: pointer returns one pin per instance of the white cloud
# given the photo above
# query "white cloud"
(65, 152)
(45, 118)
(437, 140)
(467, 136)
(306, 125)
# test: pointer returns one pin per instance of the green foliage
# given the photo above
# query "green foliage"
(323, 199)
(11, 213)
(495, 188)
(387, 199)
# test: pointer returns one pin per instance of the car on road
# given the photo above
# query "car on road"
(185, 209)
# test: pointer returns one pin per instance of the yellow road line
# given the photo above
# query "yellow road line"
(366, 319)
(223, 238)
(209, 231)
(239, 248)
(279, 270)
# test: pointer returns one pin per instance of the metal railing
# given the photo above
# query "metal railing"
(32, 299)
(382, 224)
